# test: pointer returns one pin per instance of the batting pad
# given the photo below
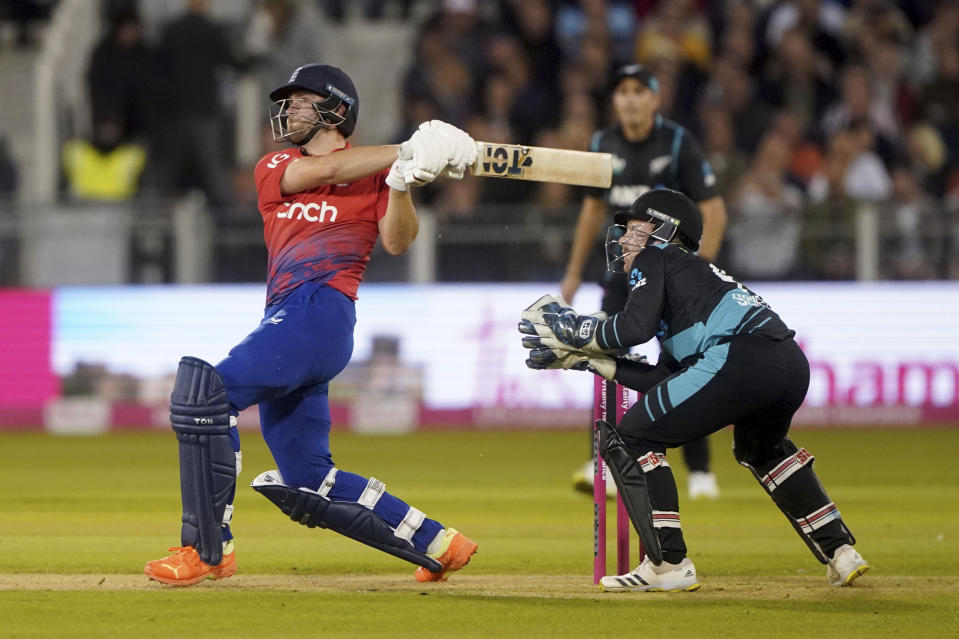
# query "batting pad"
(199, 414)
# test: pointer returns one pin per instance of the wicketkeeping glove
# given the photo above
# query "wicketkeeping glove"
(550, 353)
(549, 316)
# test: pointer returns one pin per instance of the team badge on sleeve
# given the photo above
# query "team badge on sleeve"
(636, 279)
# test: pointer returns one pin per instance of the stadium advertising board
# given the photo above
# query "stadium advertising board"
(438, 355)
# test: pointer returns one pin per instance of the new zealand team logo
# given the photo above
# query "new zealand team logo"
(636, 279)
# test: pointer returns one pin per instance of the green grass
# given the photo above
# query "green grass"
(80, 516)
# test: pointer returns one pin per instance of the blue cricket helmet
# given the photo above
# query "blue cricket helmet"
(330, 82)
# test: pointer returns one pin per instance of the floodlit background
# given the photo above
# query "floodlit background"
(129, 236)
(127, 158)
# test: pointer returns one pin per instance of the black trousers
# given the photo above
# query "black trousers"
(754, 383)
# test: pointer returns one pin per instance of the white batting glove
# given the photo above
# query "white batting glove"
(429, 156)
(396, 178)
(401, 173)
(461, 147)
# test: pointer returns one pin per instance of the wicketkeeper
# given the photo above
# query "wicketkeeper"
(324, 203)
(737, 364)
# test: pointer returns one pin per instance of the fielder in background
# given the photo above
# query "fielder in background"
(739, 365)
(323, 203)
(649, 151)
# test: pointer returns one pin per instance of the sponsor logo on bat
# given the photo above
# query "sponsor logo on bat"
(507, 161)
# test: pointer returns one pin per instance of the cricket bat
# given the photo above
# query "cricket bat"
(541, 164)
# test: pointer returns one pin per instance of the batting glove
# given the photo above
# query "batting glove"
(401, 174)
(430, 156)
(460, 146)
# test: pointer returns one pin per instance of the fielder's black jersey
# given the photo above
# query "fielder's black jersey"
(668, 157)
(688, 304)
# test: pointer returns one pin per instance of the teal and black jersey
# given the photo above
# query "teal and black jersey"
(668, 157)
(688, 304)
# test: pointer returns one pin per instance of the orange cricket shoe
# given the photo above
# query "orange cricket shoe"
(185, 568)
(454, 553)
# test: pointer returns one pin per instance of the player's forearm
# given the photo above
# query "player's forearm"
(341, 167)
(639, 376)
(399, 226)
(714, 227)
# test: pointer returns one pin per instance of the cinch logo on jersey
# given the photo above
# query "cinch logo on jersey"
(300, 211)
(625, 194)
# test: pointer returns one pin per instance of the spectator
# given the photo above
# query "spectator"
(940, 33)
(675, 29)
(927, 154)
(765, 216)
(821, 19)
(25, 14)
(281, 34)
(865, 177)
(539, 58)
(9, 175)
(188, 149)
(828, 225)
(729, 88)
(120, 76)
(439, 77)
(858, 104)
(912, 232)
(938, 100)
(103, 168)
(578, 22)
(729, 163)
(794, 81)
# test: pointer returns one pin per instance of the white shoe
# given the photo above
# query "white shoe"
(648, 577)
(700, 484)
(845, 566)
(583, 480)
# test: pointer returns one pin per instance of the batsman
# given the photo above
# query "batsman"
(739, 365)
(324, 203)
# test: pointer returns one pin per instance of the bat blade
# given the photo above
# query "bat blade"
(542, 164)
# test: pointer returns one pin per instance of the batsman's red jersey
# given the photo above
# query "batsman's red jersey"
(324, 234)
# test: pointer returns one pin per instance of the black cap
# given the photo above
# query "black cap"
(325, 80)
(637, 71)
(672, 203)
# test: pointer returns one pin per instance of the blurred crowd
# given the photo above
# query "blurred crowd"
(808, 110)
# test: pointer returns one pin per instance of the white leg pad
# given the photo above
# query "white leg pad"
(411, 523)
(372, 493)
(328, 482)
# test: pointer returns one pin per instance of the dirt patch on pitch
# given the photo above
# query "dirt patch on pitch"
(797, 588)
